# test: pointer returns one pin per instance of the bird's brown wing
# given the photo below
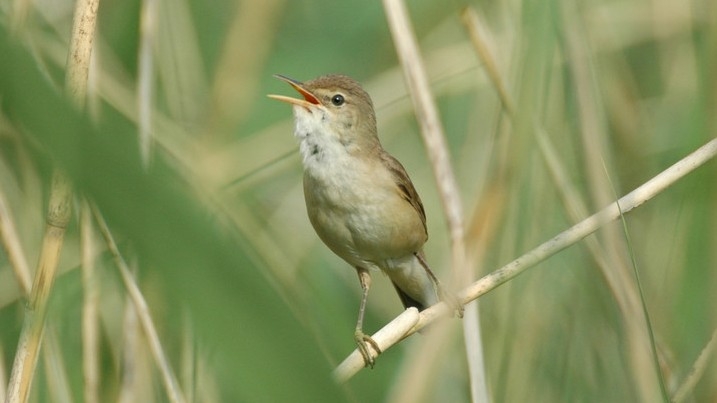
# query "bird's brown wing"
(405, 186)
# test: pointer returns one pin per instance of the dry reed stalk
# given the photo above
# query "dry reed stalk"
(245, 50)
(58, 216)
(25, 362)
(13, 248)
(477, 34)
(174, 393)
(698, 369)
(419, 372)
(90, 308)
(145, 79)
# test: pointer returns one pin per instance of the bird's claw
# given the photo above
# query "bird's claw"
(363, 341)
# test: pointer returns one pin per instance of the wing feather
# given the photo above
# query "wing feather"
(405, 186)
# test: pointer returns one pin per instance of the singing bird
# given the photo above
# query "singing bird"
(359, 198)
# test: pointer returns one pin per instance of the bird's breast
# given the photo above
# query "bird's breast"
(356, 209)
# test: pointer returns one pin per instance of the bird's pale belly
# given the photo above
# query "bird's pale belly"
(362, 227)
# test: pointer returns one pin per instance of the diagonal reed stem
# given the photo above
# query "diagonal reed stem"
(572, 235)
(58, 216)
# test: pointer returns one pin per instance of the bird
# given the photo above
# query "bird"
(359, 198)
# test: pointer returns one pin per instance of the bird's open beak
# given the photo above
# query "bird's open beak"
(309, 98)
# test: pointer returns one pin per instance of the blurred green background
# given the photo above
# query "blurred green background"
(250, 306)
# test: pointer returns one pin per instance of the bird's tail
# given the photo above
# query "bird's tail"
(406, 299)
(413, 283)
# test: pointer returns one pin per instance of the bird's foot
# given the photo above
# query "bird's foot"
(363, 341)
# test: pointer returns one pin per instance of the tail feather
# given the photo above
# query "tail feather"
(412, 281)
(407, 300)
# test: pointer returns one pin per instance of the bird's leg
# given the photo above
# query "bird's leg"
(444, 295)
(363, 340)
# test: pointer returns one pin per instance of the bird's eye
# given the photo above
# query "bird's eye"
(337, 100)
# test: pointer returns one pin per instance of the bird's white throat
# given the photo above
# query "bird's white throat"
(320, 148)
